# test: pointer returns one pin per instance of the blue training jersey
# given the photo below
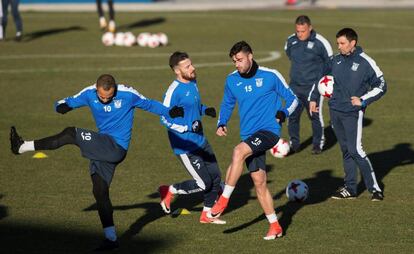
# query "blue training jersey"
(115, 118)
(258, 98)
(185, 95)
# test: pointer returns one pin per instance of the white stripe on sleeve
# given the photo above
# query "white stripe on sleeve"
(374, 92)
(168, 94)
(373, 64)
(325, 43)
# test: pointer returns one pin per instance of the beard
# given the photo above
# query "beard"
(190, 76)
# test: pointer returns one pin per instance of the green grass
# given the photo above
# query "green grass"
(47, 206)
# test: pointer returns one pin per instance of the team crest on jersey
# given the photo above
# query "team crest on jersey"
(310, 44)
(259, 82)
(118, 103)
(354, 66)
(188, 93)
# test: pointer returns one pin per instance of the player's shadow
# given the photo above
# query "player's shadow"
(48, 32)
(330, 138)
(48, 238)
(3, 209)
(385, 161)
(142, 23)
(321, 188)
(153, 211)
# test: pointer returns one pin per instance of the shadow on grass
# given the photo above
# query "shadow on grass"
(153, 211)
(330, 138)
(385, 161)
(26, 238)
(142, 23)
(48, 32)
(3, 209)
(321, 187)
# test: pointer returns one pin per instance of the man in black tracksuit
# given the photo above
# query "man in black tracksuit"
(309, 53)
(358, 83)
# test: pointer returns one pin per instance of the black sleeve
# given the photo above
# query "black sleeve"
(63, 108)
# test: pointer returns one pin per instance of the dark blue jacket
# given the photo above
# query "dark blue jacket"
(358, 75)
(308, 58)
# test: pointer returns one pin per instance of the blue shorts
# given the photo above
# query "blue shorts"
(259, 142)
(102, 151)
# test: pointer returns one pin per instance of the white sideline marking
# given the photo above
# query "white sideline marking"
(272, 55)
(289, 21)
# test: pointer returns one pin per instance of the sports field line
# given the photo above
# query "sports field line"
(375, 25)
(272, 55)
(100, 55)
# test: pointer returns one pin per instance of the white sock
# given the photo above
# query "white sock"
(206, 209)
(272, 218)
(173, 190)
(26, 147)
(110, 233)
(228, 190)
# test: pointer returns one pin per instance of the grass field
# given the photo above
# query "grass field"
(46, 206)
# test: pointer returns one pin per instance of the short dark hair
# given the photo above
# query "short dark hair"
(106, 81)
(349, 33)
(302, 20)
(177, 57)
(240, 46)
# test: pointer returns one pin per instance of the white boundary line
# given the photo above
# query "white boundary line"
(272, 56)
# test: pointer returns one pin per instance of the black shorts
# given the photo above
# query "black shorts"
(102, 151)
(259, 142)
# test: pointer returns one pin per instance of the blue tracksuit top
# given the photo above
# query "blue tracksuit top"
(185, 95)
(258, 98)
(309, 58)
(115, 118)
(357, 75)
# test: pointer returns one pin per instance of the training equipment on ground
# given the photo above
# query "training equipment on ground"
(153, 41)
(119, 39)
(325, 86)
(142, 39)
(108, 39)
(281, 149)
(129, 39)
(39, 155)
(162, 38)
(297, 191)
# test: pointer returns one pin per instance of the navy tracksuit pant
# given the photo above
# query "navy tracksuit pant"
(16, 15)
(318, 139)
(348, 130)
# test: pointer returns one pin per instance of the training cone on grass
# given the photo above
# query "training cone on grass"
(182, 211)
(39, 155)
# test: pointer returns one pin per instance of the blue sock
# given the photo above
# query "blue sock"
(110, 233)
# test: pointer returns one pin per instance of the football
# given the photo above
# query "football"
(129, 39)
(119, 39)
(108, 39)
(297, 191)
(162, 38)
(142, 39)
(153, 41)
(281, 149)
(325, 86)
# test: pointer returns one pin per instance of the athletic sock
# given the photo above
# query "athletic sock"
(228, 190)
(110, 233)
(206, 209)
(172, 189)
(26, 147)
(272, 218)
